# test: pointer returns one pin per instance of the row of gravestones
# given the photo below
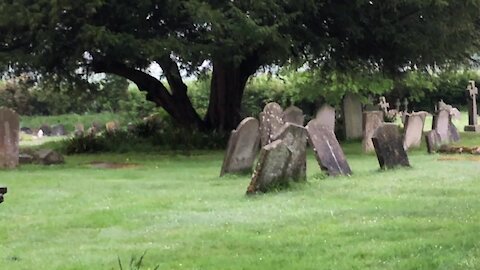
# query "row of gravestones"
(283, 141)
(95, 128)
(59, 130)
(45, 130)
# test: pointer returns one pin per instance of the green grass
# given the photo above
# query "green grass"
(186, 217)
(70, 120)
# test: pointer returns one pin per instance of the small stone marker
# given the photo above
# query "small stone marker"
(472, 92)
(46, 130)
(112, 126)
(433, 141)
(352, 115)
(413, 131)
(293, 115)
(26, 130)
(58, 130)
(441, 123)
(327, 150)
(371, 121)
(271, 121)
(281, 161)
(9, 138)
(389, 147)
(49, 157)
(242, 148)
(3, 191)
(326, 116)
(79, 130)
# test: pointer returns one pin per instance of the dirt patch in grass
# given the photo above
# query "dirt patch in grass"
(112, 165)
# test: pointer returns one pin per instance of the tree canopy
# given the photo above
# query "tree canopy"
(232, 39)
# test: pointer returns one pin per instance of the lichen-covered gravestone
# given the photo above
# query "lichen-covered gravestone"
(9, 138)
(389, 147)
(281, 161)
(293, 115)
(432, 139)
(326, 116)
(58, 130)
(327, 150)
(371, 121)
(242, 148)
(413, 130)
(352, 115)
(441, 123)
(271, 121)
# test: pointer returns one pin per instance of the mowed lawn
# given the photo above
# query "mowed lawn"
(177, 209)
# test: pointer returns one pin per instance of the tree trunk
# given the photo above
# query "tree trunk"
(226, 93)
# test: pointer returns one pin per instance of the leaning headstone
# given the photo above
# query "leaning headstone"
(3, 191)
(441, 123)
(472, 92)
(293, 115)
(389, 147)
(453, 133)
(413, 131)
(58, 130)
(242, 148)
(271, 121)
(327, 150)
(352, 115)
(46, 130)
(371, 121)
(9, 138)
(432, 139)
(326, 116)
(281, 161)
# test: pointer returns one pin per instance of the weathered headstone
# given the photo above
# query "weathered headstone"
(352, 114)
(9, 138)
(3, 191)
(112, 126)
(453, 132)
(49, 157)
(26, 130)
(383, 105)
(441, 123)
(371, 121)
(79, 130)
(326, 116)
(271, 121)
(327, 150)
(472, 92)
(389, 147)
(242, 148)
(293, 115)
(281, 161)
(58, 130)
(413, 131)
(433, 141)
(46, 130)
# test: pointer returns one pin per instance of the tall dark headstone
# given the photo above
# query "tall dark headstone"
(352, 115)
(3, 191)
(388, 144)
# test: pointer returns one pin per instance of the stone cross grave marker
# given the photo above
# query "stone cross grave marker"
(352, 115)
(271, 121)
(294, 115)
(327, 150)
(371, 121)
(326, 116)
(9, 138)
(413, 131)
(389, 147)
(281, 161)
(242, 148)
(384, 105)
(472, 91)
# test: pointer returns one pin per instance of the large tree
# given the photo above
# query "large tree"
(232, 38)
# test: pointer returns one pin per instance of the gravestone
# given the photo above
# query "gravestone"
(389, 147)
(413, 131)
(371, 121)
(79, 130)
(242, 148)
(112, 126)
(58, 130)
(326, 116)
(9, 138)
(352, 115)
(327, 150)
(281, 161)
(271, 121)
(46, 130)
(472, 92)
(441, 123)
(26, 130)
(383, 105)
(3, 191)
(433, 141)
(49, 157)
(453, 132)
(293, 115)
